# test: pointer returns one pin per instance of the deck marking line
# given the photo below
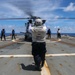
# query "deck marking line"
(65, 54)
(45, 70)
(15, 56)
(48, 55)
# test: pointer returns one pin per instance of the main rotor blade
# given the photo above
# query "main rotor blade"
(62, 18)
(65, 18)
(35, 17)
(13, 18)
(32, 17)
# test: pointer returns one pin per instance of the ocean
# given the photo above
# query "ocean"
(69, 34)
(66, 34)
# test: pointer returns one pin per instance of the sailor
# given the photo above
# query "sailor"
(38, 42)
(58, 34)
(3, 34)
(49, 33)
(13, 34)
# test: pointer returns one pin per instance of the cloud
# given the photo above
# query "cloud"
(9, 28)
(45, 7)
(8, 10)
(71, 7)
(68, 29)
(22, 8)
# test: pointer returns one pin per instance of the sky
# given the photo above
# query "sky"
(50, 10)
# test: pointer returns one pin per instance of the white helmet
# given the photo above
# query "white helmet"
(38, 22)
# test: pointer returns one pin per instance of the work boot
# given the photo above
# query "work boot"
(38, 68)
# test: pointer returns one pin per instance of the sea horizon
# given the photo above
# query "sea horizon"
(66, 34)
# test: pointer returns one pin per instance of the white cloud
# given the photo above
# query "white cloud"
(8, 28)
(71, 7)
(57, 27)
(68, 29)
(8, 10)
(18, 8)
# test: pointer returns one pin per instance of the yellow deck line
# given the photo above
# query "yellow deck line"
(45, 70)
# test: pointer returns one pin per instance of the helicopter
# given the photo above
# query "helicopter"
(28, 35)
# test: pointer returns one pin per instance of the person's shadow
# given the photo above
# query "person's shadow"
(29, 67)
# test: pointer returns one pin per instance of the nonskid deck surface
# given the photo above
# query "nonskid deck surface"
(16, 58)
